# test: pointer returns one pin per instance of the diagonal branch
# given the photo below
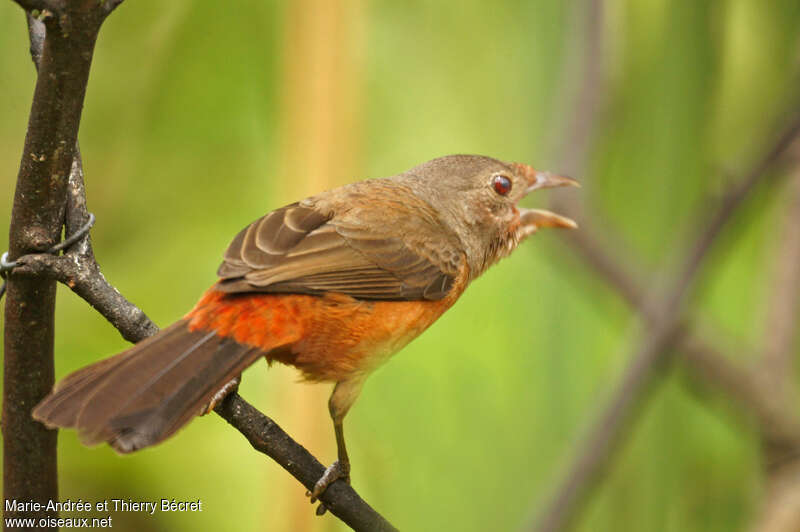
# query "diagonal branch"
(625, 281)
(732, 201)
(267, 437)
(665, 332)
(82, 275)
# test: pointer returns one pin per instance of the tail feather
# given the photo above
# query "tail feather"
(142, 381)
(62, 406)
(143, 395)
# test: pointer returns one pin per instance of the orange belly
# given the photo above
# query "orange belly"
(329, 338)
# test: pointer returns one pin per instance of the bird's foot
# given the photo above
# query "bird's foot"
(336, 471)
(230, 387)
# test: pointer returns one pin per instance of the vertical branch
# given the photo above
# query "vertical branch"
(62, 48)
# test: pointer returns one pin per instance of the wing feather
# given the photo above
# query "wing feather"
(302, 249)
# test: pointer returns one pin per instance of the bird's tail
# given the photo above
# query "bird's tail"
(143, 395)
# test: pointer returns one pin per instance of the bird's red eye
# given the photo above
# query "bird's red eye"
(501, 184)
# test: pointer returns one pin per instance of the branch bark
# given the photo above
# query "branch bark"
(29, 450)
(267, 437)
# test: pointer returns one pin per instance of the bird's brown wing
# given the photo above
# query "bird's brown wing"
(298, 249)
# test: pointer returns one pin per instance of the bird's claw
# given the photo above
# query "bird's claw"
(230, 387)
(336, 471)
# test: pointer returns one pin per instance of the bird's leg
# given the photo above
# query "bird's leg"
(343, 396)
(338, 470)
(229, 387)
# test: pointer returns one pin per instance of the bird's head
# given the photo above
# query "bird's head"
(478, 198)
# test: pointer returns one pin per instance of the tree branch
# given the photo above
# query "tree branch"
(625, 281)
(267, 437)
(733, 200)
(64, 58)
(82, 275)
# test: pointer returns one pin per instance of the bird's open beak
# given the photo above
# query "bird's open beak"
(543, 218)
(547, 180)
(540, 217)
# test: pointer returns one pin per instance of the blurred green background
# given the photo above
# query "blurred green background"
(201, 116)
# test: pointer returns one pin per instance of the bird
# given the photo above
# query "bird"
(333, 285)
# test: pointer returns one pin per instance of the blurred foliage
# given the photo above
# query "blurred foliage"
(469, 427)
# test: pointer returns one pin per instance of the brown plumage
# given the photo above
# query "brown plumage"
(333, 285)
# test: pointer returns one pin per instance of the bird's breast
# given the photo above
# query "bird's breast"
(329, 338)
